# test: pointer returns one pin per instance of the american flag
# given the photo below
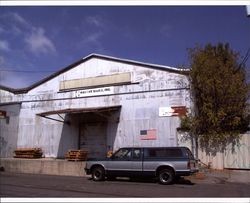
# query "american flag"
(148, 134)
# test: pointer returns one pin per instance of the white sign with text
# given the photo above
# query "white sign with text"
(94, 92)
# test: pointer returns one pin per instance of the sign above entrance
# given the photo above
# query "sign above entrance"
(94, 92)
(98, 81)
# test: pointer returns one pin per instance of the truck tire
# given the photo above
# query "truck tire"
(166, 176)
(98, 173)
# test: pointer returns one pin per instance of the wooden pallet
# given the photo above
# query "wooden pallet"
(29, 153)
(76, 155)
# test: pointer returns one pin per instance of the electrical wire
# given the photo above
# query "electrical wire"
(25, 71)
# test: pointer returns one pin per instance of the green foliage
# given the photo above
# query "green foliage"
(219, 92)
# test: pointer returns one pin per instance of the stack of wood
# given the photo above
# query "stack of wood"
(29, 153)
(76, 155)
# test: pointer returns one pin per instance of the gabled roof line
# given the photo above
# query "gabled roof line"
(9, 89)
(149, 65)
(156, 66)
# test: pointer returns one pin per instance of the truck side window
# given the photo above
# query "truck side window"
(163, 153)
(174, 153)
(136, 154)
(190, 154)
(122, 154)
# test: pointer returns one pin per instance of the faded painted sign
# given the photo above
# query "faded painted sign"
(172, 111)
(120, 78)
(94, 92)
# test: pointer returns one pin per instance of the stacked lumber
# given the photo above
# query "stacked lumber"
(76, 155)
(29, 153)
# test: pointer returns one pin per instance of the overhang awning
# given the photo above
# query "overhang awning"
(97, 110)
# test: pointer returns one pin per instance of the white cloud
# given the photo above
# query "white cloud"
(4, 45)
(30, 40)
(38, 42)
(93, 41)
(95, 20)
(93, 29)
(19, 19)
(92, 38)
(33, 37)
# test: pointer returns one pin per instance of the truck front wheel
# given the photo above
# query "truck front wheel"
(166, 176)
(98, 173)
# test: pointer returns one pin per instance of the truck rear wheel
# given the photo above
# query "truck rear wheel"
(166, 176)
(98, 173)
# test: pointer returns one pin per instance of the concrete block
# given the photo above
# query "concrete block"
(43, 166)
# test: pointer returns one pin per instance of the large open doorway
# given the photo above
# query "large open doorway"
(91, 129)
(93, 138)
(93, 134)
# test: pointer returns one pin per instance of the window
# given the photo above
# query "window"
(136, 154)
(174, 153)
(163, 152)
(188, 153)
(122, 154)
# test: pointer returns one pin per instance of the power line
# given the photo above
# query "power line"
(25, 71)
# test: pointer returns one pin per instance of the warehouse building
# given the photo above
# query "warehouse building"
(99, 103)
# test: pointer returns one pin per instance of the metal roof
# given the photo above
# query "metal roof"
(80, 110)
(132, 62)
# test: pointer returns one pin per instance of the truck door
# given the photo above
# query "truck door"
(120, 163)
(136, 161)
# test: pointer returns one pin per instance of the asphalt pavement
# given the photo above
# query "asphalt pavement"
(35, 185)
(221, 176)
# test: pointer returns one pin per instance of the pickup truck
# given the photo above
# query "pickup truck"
(164, 163)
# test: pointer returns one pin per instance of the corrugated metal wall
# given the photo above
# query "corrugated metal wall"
(9, 130)
(239, 158)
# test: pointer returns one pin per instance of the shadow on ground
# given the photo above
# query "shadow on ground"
(179, 181)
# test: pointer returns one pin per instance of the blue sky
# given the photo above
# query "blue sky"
(37, 41)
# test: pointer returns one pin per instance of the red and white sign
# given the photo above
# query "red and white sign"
(172, 111)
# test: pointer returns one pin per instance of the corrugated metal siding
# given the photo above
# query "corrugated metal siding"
(9, 130)
(214, 161)
(238, 159)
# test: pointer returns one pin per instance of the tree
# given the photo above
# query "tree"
(219, 92)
